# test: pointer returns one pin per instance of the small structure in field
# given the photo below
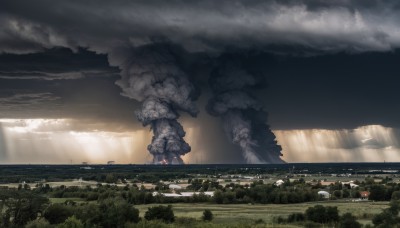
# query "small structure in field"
(364, 195)
(174, 187)
(279, 182)
(324, 194)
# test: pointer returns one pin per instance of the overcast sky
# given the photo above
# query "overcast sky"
(331, 65)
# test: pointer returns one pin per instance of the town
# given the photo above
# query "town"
(233, 195)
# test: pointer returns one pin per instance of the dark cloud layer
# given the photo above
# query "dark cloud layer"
(328, 64)
(199, 25)
(333, 91)
(39, 85)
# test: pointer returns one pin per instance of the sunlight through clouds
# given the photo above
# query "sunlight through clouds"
(55, 141)
(61, 141)
(373, 143)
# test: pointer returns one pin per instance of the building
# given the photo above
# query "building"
(174, 187)
(364, 195)
(279, 182)
(349, 185)
(324, 194)
(183, 194)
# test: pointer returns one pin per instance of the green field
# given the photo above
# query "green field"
(243, 213)
(62, 200)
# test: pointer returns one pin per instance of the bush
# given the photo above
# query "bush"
(144, 223)
(71, 222)
(349, 221)
(164, 213)
(321, 214)
(185, 221)
(377, 193)
(39, 223)
(57, 213)
(207, 215)
(296, 217)
(115, 213)
(310, 224)
(279, 220)
(385, 219)
(389, 216)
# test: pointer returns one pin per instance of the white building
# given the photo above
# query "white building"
(324, 194)
(183, 194)
(174, 187)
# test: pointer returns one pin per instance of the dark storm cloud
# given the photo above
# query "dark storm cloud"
(37, 75)
(12, 104)
(37, 85)
(297, 85)
(199, 25)
(91, 100)
(338, 91)
(328, 90)
(27, 99)
(55, 64)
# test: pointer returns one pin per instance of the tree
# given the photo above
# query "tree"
(115, 213)
(218, 197)
(164, 213)
(396, 195)
(71, 222)
(296, 217)
(332, 214)
(348, 221)
(316, 214)
(337, 194)
(38, 223)
(89, 214)
(385, 219)
(110, 178)
(207, 215)
(389, 217)
(195, 184)
(321, 214)
(57, 213)
(377, 193)
(22, 207)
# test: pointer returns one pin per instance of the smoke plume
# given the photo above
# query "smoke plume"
(243, 117)
(150, 75)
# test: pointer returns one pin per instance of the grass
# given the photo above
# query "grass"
(248, 214)
(243, 213)
(62, 200)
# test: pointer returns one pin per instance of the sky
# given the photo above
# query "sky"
(199, 81)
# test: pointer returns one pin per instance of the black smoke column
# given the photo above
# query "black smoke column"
(151, 75)
(243, 117)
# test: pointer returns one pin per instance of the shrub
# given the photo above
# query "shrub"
(310, 224)
(164, 213)
(296, 217)
(349, 221)
(38, 223)
(185, 221)
(71, 222)
(115, 213)
(207, 215)
(321, 214)
(57, 213)
(144, 223)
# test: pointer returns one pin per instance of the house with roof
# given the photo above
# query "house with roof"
(364, 195)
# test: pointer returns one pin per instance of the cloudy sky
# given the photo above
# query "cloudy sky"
(327, 75)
